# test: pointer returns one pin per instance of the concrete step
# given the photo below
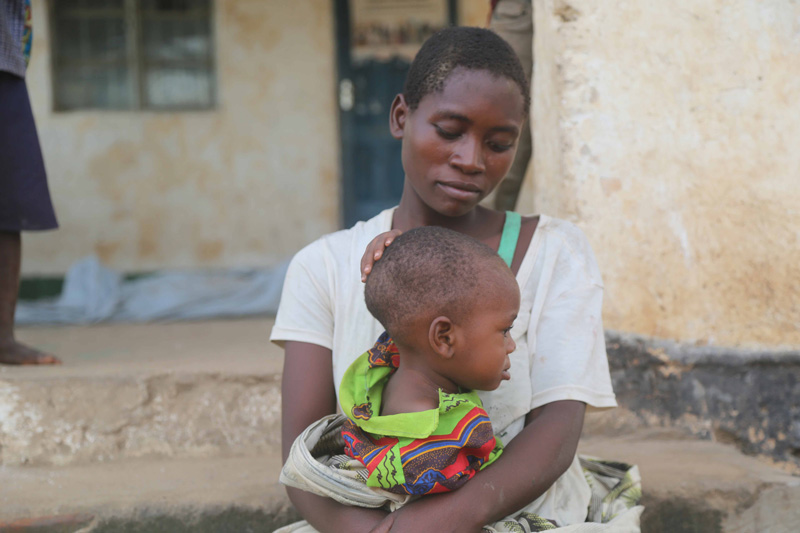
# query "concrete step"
(689, 486)
(128, 391)
(209, 494)
(174, 427)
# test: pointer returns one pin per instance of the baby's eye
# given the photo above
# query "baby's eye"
(507, 330)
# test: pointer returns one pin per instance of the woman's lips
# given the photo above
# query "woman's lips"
(461, 191)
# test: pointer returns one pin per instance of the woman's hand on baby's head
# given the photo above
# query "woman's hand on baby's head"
(375, 250)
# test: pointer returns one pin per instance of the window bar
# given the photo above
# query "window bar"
(133, 42)
(211, 58)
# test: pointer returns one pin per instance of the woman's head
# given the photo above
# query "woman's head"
(462, 48)
(464, 105)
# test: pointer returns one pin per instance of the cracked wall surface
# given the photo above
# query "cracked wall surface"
(668, 131)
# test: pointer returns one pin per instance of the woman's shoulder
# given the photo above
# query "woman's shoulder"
(344, 245)
(562, 232)
(567, 245)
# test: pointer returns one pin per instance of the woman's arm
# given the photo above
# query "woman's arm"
(307, 395)
(529, 465)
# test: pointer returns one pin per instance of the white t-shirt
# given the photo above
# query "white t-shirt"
(560, 355)
(560, 351)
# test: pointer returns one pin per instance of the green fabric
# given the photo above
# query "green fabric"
(362, 390)
(508, 241)
(362, 384)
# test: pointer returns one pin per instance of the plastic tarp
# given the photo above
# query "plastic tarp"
(93, 293)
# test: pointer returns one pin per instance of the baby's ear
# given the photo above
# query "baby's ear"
(441, 336)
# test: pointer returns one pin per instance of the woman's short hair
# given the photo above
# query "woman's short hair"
(462, 47)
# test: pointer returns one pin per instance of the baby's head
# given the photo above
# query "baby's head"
(446, 294)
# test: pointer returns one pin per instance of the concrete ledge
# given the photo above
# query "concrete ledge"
(691, 485)
(194, 494)
(744, 397)
(175, 428)
(128, 391)
(75, 420)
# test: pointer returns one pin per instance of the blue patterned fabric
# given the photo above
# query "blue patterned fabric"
(16, 36)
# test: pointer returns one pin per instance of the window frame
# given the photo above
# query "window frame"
(135, 62)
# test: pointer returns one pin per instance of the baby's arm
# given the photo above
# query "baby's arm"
(529, 465)
(308, 395)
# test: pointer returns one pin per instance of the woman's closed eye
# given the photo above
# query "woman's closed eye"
(452, 134)
(500, 147)
(446, 133)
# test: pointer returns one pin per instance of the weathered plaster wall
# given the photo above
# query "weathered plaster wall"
(473, 12)
(669, 132)
(245, 184)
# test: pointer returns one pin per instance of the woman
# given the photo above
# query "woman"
(459, 117)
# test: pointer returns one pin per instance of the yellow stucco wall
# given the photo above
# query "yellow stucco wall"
(248, 183)
(245, 184)
(669, 132)
(473, 12)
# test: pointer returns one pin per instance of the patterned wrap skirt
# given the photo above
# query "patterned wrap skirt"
(24, 197)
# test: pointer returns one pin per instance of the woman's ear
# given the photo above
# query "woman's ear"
(441, 336)
(397, 116)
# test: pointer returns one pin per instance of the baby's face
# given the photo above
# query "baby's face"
(481, 361)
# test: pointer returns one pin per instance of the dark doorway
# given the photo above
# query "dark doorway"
(372, 174)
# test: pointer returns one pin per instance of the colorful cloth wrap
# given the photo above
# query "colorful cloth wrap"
(27, 34)
(431, 451)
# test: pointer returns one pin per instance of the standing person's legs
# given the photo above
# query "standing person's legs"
(12, 352)
(513, 21)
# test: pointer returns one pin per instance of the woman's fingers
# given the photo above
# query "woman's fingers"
(375, 250)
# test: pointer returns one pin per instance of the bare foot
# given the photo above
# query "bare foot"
(14, 353)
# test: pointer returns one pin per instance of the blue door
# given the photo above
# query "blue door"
(372, 173)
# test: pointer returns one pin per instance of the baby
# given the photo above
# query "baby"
(415, 421)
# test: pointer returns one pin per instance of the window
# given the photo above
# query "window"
(132, 54)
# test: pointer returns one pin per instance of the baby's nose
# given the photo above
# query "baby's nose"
(510, 345)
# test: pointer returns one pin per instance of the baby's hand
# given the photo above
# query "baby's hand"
(375, 250)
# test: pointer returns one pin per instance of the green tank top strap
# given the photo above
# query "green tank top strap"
(508, 241)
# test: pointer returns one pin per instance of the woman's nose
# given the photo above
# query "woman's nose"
(468, 156)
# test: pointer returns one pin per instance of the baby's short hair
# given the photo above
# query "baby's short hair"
(428, 271)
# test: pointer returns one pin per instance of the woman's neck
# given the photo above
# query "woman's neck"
(479, 223)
